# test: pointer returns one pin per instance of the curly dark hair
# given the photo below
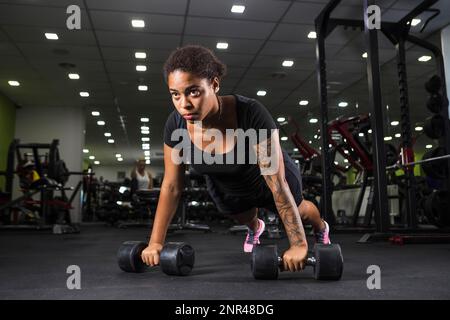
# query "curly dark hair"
(197, 60)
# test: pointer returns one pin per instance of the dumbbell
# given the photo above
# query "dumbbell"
(327, 262)
(176, 258)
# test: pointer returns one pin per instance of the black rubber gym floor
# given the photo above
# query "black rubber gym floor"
(34, 264)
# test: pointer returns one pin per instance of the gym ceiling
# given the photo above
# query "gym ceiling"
(267, 33)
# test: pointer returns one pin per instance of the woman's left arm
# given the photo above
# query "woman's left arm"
(270, 161)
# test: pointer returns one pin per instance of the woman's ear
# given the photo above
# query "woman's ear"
(216, 84)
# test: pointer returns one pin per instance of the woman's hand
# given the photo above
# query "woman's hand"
(294, 258)
(150, 255)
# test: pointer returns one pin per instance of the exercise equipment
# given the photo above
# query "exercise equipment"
(176, 258)
(434, 126)
(436, 208)
(327, 262)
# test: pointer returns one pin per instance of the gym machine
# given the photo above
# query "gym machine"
(398, 34)
(38, 176)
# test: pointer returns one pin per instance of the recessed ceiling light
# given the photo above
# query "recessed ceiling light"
(388, 138)
(284, 138)
(13, 83)
(336, 163)
(92, 157)
(364, 55)
(119, 159)
(95, 113)
(140, 55)
(96, 162)
(147, 157)
(144, 119)
(85, 150)
(101, 123)
(361, 134)
(415, 22)
(424, 58)
(147, 152)
(343, 104)
(281, 119)
(145, 132)
(142, 88)
(222, 45)
(313, 120)
(345, 160)
(295, 149)
(395, 123)
(145, 139)
(418, 128)
(141, 68)
(261, 93)
(398, 135)
(429, 146)
(107, 134)
(147, 161)
(237, 9)
(312, 35)
(118, 155)
(145, 147)
(51, 36)
(137, 23)
(74, 76)
(110, 140)
(369, 131)
(310, 142)
(84, 94)
(303, 102)
(145, 128)
(288, 63)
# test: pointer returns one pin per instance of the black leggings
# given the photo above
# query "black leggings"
(230, 205)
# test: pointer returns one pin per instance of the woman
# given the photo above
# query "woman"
(193, 75)
(141, 179)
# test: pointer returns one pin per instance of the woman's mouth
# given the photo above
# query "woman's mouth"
(190, 116)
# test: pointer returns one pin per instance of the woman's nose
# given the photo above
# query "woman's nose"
(185, 103)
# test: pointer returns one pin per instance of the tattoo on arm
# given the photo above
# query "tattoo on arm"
(282, 195)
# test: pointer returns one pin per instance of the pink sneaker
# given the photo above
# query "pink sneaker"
(323, 236)
(253, 237)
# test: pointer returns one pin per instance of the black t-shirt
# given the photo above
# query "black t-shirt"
(240, 178)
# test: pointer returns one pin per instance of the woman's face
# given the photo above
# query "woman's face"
(193, 97)
(141, 165)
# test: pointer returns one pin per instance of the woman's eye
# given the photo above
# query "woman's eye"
(195, 93)
(174, 94)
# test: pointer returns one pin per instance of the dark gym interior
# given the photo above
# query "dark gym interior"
(358, 90)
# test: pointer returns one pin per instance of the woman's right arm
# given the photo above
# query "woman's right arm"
(169, 196)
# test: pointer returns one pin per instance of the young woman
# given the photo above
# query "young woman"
(141, 178)
(193, 75)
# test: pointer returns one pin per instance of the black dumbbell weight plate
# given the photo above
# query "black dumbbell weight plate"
(264, 262)
(129, 256)
(329, 262)
(177, 258)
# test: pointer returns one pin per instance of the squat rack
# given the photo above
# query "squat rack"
(398, 34)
